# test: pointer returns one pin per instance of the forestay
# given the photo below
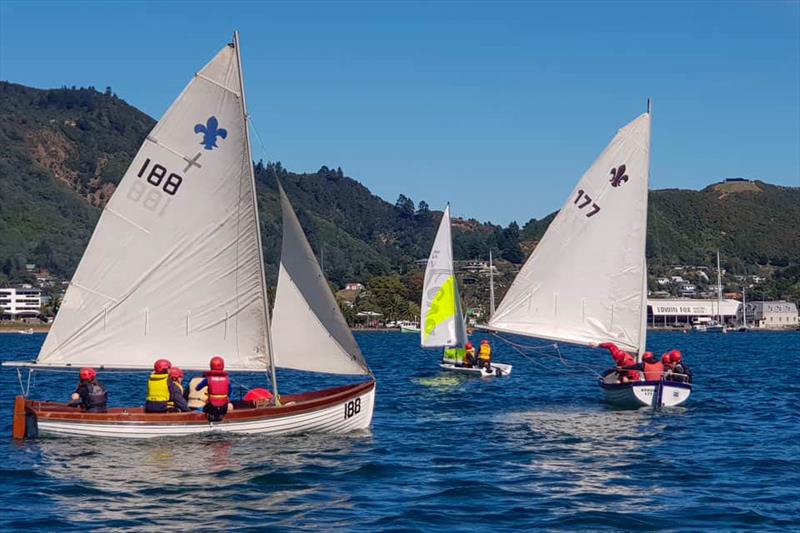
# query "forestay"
(585, 282)
(442, 317)
(174, 267)
(308, 329)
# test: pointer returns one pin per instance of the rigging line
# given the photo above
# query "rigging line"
(574, 366)
(258, 136)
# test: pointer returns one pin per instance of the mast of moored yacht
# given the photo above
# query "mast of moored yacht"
(491, 286)
(249, 157)
(719, 291)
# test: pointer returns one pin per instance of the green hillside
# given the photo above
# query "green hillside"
(62, 152)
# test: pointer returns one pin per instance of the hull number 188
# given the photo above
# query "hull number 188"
(353, 407)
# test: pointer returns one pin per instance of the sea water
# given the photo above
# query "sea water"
(536, 450)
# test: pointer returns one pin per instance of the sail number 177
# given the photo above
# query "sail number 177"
(585, 200)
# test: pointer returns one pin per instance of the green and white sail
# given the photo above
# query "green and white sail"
(442, 323)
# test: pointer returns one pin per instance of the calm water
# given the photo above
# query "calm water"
(533, 451)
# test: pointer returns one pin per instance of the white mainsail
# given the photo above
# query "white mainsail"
(174, 268)
(309, 331)
(585, 282)
(442, 320)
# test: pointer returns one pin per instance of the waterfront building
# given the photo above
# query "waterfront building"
(683, 312)
(20, 302)
(771, 315)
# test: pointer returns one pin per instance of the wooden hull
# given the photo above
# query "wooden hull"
(642, 393)
(338, 410)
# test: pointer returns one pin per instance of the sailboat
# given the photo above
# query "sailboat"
(717, 325)
(175, 269)
(743, 325)
(586, 281)
(442, 322)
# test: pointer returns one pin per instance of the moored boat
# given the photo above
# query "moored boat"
(175, 269)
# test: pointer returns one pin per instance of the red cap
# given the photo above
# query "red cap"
(162, 365)
(665, 359)
(484, 341)
(675, 356)
(468, 345)
(176, 373)
(258, 394)
(87, 374)
(648, 356)
(217, 363)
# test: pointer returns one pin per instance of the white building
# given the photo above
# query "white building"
(772, 315)
(686, 311)
(20, 302)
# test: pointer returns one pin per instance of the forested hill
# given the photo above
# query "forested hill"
(62, 152)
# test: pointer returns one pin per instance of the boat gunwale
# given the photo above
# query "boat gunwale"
(632, 384)
(293, 404)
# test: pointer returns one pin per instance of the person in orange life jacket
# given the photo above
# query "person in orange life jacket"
(158, 394)
(680, 371)
(469, 355)
(653, 368)
(219, 389)
(90, 395)
(177, 401)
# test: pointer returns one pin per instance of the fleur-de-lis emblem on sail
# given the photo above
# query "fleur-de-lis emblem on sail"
(618, 176)
(210, 133)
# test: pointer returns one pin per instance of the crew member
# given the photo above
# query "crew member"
(158, 388)
(196, 398)
(665, 360)
(680, 371)
(621, 359)
(469, 355)
(219, 389)
(177, 402)
(485, 355)
(90, 395)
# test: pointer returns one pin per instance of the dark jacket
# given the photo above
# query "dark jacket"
(176, 397)
(93, 397)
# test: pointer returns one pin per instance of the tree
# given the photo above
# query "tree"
(405, 205)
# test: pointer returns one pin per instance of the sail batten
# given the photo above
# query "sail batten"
(179, 237)
(583, 283)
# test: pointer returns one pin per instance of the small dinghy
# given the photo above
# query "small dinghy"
(175, 269)
(586, 281)
(443, 323)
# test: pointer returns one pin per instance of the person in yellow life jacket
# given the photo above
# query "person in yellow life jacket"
(177, 402)
(196, 398)
(485, 355)
(158, 388)
(469, 355)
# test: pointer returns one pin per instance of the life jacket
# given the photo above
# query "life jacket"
(158, 388)
(653, 371)
(218, 387)
(171, 403)
(96, 396)
(469, 356)
(486, 353)
(197, 398)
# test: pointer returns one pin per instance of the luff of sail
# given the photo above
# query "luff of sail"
(583, 284)
(442, 321)
(309, 331)
(173, 268)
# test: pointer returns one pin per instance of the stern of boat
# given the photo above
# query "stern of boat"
(24, 424)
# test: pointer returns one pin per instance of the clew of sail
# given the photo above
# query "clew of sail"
(442, 318)
(308, 329)
(174, 266)
(583, 284)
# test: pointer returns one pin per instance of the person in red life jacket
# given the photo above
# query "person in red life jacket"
(621, 359)
(177, 401)
(258, 397)
(680, 371)
(90, 395)
(157, 400)
(219, 389)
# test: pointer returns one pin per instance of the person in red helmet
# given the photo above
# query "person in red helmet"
(177, 401)
(469, 355)
(652, 367)
(219, 389)
(680, 371)
(621, 359)
(90, 395)
(158, 388)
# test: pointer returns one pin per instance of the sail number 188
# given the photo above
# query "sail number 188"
(157, 175)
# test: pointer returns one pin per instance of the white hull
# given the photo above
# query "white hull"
(505, 370)
(409, 329)
(641, 393)
(336, 417)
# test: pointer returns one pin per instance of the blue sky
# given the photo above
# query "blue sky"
(495, 107)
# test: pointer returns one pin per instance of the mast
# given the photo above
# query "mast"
(744, 306)
(491, 286)
(643, 299)
(719, 291)
(249, 156)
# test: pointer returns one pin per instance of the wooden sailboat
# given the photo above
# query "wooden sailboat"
(443, 324)
(586, 281)
(175, 269)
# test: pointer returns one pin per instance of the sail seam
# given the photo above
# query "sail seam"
(172, 150)
(129, 221)
(87, 289)
(218, 84)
